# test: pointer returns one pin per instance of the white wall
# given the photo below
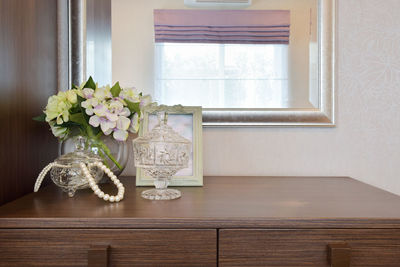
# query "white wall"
(366, 142)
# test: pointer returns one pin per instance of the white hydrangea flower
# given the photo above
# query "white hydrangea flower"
(89, 105)
(58, 106)
(102, 93)
(130, 94)
(112, 117)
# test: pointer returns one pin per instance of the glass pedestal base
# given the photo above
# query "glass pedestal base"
(161, 194)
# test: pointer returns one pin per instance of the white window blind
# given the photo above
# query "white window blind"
(221, 75)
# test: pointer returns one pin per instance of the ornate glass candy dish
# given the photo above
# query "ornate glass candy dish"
(161, 153)
(78, 170)
(67, 173)
(117, 149)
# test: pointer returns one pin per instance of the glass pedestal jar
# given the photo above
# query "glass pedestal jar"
(161, 153)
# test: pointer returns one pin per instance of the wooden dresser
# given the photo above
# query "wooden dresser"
(231, 221)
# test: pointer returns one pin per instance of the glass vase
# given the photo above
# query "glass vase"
(113, 153)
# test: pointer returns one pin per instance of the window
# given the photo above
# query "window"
(222, 58)
(220, 75)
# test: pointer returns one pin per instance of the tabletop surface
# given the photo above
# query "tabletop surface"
(223, 202)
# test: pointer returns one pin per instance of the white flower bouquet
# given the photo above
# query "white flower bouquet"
(93, 112)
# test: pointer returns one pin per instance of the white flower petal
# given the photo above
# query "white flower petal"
(108, 131)
(100, 110)
(106, 125)
(71, 96)
(94, 121)
(102, 93)
(125, 112)
(65, 115)
(120, 135)
(88, 92)
(59, 132)
(116, 105)
(59, 119)
(89, 111)
(123, 123)
(112, 117)
(85, 104)
(135, 123)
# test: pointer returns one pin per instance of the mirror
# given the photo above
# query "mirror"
(237, 84)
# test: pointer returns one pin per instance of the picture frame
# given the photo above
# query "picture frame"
(187, 121)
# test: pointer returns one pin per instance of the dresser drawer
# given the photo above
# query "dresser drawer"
(375, 247)
(126, 247)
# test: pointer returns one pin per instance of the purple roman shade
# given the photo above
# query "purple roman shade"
(222, 26)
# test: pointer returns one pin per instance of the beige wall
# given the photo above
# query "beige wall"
(365, 144)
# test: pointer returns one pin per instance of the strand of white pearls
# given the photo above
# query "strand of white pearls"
(95, 187)
(43, 173)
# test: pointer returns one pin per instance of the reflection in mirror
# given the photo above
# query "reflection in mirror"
(236, 74)
(237, 83)
(240, 57)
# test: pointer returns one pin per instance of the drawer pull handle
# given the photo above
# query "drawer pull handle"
(98, 256)
(339, 255)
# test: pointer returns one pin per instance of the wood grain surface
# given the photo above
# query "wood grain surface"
(126, 247)
(98, 255)
(28, 76)
(339, 254)
(223, 202)
(297, 248)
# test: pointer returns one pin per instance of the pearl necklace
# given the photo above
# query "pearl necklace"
(95, 187)
(92, 183)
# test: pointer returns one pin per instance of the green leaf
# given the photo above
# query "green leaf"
(80, 100)
(90, 83)
(75, 108)
(70, 124)
(78, 118)
(116, 89)
(41, 118)
(134, 107)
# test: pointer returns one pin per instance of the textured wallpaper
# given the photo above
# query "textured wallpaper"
(366, 142)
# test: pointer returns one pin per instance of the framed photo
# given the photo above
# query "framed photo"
(187, 121)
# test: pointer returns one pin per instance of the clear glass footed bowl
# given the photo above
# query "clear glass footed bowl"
(161, 153)
(67, 173)
(118, 150)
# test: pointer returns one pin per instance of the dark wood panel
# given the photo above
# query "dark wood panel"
(126, 247)
(28, 76)
(372, 247)
(223, 202)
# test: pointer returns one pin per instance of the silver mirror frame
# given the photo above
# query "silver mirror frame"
(323, 116)
(71, 42)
